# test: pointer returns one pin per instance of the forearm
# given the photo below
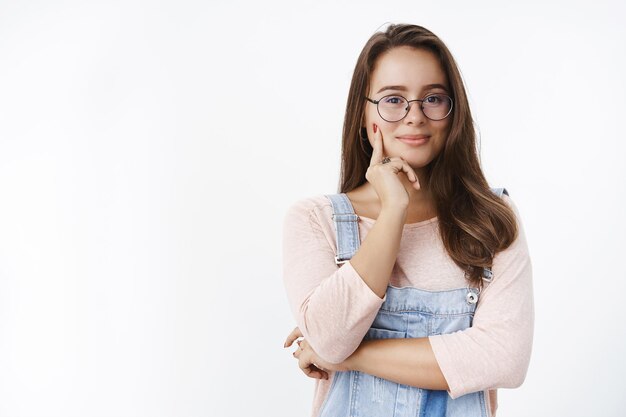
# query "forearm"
(405, 361)
(377, 253)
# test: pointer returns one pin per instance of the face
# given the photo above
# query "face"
(409, 71)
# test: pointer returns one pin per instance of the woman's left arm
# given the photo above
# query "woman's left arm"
(405, 361)
(495, 351)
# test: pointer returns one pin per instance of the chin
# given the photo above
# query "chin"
(417, 162)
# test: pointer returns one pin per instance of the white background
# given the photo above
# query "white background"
(149, 150)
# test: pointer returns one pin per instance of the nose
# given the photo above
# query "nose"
(415, 114)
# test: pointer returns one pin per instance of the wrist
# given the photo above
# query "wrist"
(394, 208)
(393, 213)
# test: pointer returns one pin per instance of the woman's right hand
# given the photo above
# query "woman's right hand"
(384, 177)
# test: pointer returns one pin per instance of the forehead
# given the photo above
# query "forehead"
(407, 66)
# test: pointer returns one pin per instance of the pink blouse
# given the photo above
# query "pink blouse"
(334, 308)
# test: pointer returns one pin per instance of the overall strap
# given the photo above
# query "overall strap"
(487, 273)
(499, 191)
(346, 227)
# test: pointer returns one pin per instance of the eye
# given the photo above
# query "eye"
(434, 99)
(393, 100)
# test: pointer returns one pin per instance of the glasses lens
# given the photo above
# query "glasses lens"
(392, 108)
(437, 106)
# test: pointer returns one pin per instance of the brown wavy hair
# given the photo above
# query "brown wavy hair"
(473, 222)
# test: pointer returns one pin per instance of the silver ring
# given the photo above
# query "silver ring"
(385, 160)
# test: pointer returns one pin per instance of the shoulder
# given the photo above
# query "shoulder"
(519, 243)
(309, 219)
(316, 207)
(513, 206)
(508, 200)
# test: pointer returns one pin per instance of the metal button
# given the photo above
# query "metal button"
(471, 297)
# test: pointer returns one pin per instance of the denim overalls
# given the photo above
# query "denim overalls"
(406, 313)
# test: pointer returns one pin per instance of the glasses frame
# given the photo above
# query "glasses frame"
(408, 105)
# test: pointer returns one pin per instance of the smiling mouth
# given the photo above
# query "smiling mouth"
(414, 140)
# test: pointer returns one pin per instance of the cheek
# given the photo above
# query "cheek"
(439, 143)
(372, 116)
(368, 120)
(445, 129)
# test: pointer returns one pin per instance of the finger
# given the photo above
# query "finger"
(311, 373)
(411, 174)
(317, 372)
(310, 369)
(298, 352)
(408, 170)
(307, 366)
(377, 148)
(295, 333)
(398, 164)
(395, 164)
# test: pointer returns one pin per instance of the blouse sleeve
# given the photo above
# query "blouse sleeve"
(495, 351)
(332, 305)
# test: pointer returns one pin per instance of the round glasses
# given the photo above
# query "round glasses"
(393, 108)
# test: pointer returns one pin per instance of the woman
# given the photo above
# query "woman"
(412, 287)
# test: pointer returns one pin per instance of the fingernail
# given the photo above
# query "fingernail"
(375, 127)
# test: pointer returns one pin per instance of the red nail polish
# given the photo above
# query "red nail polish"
(375, 128)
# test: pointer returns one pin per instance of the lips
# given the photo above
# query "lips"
(413, 137)
(414, 140)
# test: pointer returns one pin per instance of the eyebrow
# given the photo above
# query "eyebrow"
(403, 88)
